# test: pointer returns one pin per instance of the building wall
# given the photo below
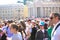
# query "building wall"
(14, 11)
(25, 11)
(45, 8)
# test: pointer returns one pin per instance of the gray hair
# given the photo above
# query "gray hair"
(57, 15)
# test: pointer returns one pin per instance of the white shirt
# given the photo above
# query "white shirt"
(28, 28)
(43, 31)
(56, 34)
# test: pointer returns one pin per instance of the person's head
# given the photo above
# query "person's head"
(13, 28)
(29, 21)
(33, 22)
(23, 25)
(42, 23)
(54, 17)
(37, 22)
(45, 26)
(9, 22)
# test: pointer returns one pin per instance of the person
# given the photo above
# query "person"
(28, 29)
(6, 29)
(55, 35)
(46, 23)
(37, 24)
(21, 29)
(50, 27)
(41, 33)
(2, 35)
(16, 35)
(34, 30)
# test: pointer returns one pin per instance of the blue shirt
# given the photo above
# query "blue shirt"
(17, 36)
(7, 29)
(9, 34)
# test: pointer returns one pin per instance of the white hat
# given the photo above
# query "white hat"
(33, 21)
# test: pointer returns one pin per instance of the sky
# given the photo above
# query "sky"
(4, 2)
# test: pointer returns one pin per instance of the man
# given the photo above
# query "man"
(41, 33)
(34, 30)
(55, 18)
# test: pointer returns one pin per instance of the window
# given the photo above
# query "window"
(18, 10)
(5, 11)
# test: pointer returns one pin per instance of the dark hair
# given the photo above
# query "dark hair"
(14, 26)
(23, 25)
(28, 20)
(45, 26)
(57, 15)
(9, 21)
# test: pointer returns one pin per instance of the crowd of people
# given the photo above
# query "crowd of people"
(31, 29)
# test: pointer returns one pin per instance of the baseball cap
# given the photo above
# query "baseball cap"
(42, 23)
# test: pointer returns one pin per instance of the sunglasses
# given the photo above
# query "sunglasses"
(51, 17)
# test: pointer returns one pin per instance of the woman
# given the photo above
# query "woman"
(22, 28)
